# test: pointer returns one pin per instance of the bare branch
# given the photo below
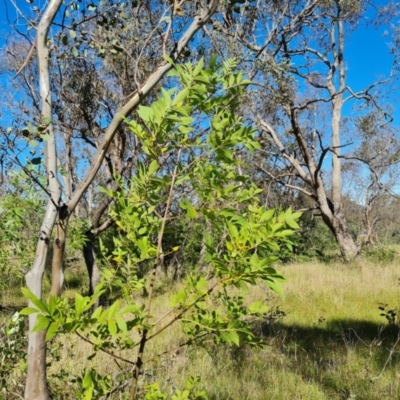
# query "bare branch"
(138, 96)
(268, 128)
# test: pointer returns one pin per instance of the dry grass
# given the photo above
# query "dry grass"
(331, 344)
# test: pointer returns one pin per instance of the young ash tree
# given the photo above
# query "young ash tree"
(188, 171)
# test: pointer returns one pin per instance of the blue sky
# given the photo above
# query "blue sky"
(367, 50)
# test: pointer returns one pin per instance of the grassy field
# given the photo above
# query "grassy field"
(325, 339)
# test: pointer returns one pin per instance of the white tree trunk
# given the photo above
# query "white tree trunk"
(36, 384)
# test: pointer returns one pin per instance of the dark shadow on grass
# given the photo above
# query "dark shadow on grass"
(318, 351)
(9, 309)
(337, 335)
(74, 282)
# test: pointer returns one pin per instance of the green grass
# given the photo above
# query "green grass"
(328, 341)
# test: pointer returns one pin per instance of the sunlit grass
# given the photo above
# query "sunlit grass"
(331, 343)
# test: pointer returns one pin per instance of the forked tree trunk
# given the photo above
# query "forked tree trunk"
(36, 384)
(338, 226)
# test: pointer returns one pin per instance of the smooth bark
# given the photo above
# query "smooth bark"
(36, 383)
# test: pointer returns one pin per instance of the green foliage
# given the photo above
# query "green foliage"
(190, 173)
(191, 391)
(390, 314)
(19, 215)
(380, 254)
(77, 233)
(314, 241)
(13, 339)
(93, 385)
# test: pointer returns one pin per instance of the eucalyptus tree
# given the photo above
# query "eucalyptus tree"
(373, 169)
(295, 51)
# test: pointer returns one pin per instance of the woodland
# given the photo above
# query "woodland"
(195, 203)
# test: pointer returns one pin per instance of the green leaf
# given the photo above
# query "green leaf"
(146, 113)
(72, 34)
(96, 313)
(191, 212)
(132, 308)
(230, 337)
(284, 233)
(42, 322)
(142, 230)
(292, 224)
(153, 167)
(89, 393)
(267, 215)
(112, 327)
(36, 160)
(74, 52)
(199, 67)
(45, 136)
(52, 304)
(180, 97)
(166, 18)
(113, 309)
(122, 324)
(274, 286)
(258, 307)
(28, 311)
(297, 215)
(87, 380)
(47, 120)
(38, 303)
(52, 331)
(80, 304)
(213, 62)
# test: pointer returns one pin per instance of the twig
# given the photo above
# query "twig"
(158, 261)
(27, 59)
(105, 351)
(177, 348)
(391, 352)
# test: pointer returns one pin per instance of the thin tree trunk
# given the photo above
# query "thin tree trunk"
(36, 386)
(57, 266)
(36, 383)
(91, 265)
(336, 84)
